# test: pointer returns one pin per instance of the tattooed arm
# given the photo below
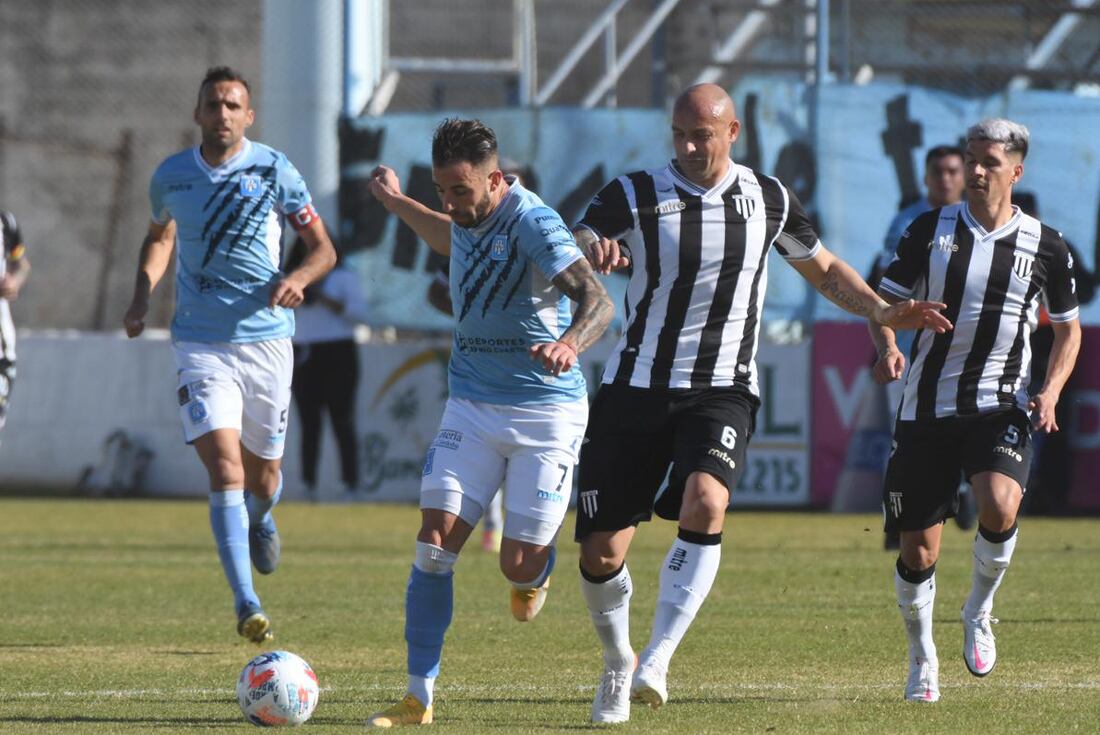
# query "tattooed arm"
(838, 282)
(593, 314)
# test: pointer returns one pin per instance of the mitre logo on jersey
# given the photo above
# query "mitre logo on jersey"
(250, 185)
(745, 205)
(499, 249)
(670, 207)
(1022, 266)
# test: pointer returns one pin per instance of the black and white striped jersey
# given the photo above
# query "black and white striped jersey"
(699, 269)
(992, 283)
(11, 249)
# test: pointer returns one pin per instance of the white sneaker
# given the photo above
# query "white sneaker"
(649, 686)
(612, 703)
(979, 645)
(924, 681)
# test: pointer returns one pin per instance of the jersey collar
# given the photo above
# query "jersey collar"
(721, 186)
(225, 166)
(1004, 229)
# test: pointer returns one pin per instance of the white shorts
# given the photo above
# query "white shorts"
(530, 449)
(244, 386)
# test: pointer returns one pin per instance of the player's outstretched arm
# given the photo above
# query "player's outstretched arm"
(593, 314)
(156, 254)
(838, 282)
(320, 258)
(431, 226)
(1063, 356)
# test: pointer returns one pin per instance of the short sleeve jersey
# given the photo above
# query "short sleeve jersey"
(993, 284)
(229, 222)
(504, 300)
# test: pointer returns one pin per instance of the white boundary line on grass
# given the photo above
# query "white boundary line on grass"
(476, 689)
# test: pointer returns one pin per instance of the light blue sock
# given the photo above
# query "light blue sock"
(429, 602)
(229, 522)
(259, 510)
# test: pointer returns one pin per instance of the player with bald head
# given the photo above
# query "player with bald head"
(680, 391)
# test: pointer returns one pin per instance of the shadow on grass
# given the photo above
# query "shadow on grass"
(30, 645)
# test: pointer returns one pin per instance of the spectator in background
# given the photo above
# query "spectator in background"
(14, 268)
(326, 368)
(943, 179)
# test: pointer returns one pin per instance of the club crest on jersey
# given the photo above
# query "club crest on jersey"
(251, 185)
(499, 249)
(1022, 266)
(745, 205)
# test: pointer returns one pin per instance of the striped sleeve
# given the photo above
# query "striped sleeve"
(797, 240)
(910, 259)
(1060, 289)
(609, 214)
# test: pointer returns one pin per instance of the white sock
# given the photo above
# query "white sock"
(423, 688)
(915, 601)
(991, 560)
(609, 605)
(687, 575)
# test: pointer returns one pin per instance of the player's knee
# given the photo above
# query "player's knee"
(523, 564)
(705, 500)
(918, 558)
(599, 561)
(225, 473)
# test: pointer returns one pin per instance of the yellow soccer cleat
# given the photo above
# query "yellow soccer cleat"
(409, 711)
(254, 625)
(527, 603)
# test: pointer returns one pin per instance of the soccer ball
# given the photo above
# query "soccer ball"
(277, 688)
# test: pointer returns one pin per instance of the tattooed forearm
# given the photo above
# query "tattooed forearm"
(594, 307)
(843, 295)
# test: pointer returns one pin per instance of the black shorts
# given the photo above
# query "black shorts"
(635, 434)
(928, 458)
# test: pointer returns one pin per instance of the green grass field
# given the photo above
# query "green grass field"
(115, 618)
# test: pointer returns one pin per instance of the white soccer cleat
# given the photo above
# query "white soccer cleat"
(649, 686)
(924, 681)
(612, 703)
(979, 644)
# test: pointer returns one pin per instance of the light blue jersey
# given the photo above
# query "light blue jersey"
(504, 302)
(228, 240)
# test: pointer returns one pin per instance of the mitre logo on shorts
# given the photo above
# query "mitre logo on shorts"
(429, 461)
(720, 455)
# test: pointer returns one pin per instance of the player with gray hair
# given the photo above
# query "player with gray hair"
(966, 401)
(1012, 135)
